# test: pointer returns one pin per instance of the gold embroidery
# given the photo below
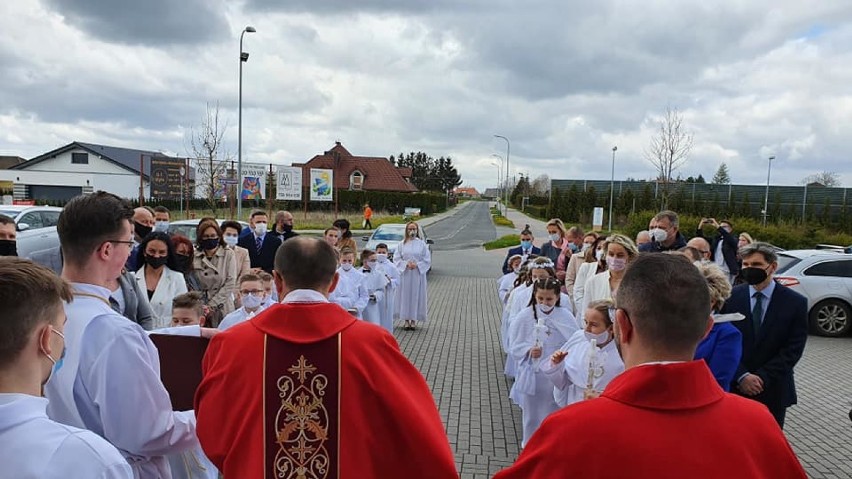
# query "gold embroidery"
(301, 424)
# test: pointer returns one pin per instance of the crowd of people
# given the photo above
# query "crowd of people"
(565, 300)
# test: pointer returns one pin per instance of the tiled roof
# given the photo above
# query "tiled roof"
(379, 173)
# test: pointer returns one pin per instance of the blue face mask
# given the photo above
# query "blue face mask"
(526, 244)
(57, 365)
(572, 247)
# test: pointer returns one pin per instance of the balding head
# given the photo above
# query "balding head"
(701, 245)
(643, 237)
(143, 216)
(303, 262)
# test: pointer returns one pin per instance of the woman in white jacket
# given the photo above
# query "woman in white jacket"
(158, 276)
(619, 251)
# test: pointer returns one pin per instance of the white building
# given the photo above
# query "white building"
(79, 168)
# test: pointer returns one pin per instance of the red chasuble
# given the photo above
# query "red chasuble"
(660, 421)
(304, 390)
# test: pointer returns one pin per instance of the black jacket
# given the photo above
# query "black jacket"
(265, 260)
(654, 247)
(778, 346)
(729, 248)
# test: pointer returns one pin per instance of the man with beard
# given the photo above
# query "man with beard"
(663, 402)
(8, 236)
(284, 226)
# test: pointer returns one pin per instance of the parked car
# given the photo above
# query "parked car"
(391, 234)
(36, 227)
(825, 278)
(187, 227)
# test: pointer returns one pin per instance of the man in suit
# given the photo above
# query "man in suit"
(774, 332)
(525, 249)
(261, 246)
(723, 247)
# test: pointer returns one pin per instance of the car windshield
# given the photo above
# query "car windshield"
(786, 262)
(388, 234)
(10, 213)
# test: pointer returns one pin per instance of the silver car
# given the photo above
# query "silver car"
(825, 278)
(36, 227)
(391, 234)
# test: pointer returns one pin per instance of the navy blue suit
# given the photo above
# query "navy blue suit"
(722, 350)
(776, 348)
(518, 250)
(264, 260)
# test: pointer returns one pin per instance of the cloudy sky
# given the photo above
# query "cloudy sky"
(563, 80)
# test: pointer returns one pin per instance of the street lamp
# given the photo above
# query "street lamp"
(612, 187)
(508, 148)
(766, 198)
(243, 58)
(500, 179)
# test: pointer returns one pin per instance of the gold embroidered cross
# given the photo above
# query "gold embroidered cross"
(301, 369)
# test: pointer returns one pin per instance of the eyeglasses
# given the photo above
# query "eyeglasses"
(129, 243)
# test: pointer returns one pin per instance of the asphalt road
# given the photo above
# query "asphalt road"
(467, 229)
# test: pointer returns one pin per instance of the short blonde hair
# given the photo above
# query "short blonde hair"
(558, 224)
(717, 282)
(746, 237)
(624, 242)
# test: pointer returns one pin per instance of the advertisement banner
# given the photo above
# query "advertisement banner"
(322, 182)
(597, 218)
(253, 184)
(289, 183)
(165, 177)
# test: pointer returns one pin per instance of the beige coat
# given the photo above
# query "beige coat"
(218, 277)
(243, 261)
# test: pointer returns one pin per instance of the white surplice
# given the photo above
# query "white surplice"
(570, 378)
(374, 283)
(411, 295)
(532, 390)
(35, 447)
(349, 292)
(505, 284)
(392, 274)
(110, 384)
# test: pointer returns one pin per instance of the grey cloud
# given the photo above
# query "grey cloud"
(149, 22)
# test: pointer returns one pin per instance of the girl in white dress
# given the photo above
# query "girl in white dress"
(374, 282)
(536, 333)
(577, 371)
(506, 283)
(412, 260)
(619, 251)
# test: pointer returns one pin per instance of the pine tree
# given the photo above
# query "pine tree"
(722, 177)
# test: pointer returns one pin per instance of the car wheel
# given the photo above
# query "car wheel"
(831, 317)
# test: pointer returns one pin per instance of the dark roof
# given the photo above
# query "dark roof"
(10, 161)
(127, 158)
(379, 173)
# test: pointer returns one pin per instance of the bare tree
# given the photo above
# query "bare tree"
(669, 150)
(829, 179)
(211, 160)
(541, 185)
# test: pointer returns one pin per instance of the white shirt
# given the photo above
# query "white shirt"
(720, 258)
(350, 293)
(171, 284)
(110, 384)
(34, 447)
(236, 317)
(304, 296)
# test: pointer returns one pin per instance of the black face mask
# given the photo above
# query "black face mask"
(286, 228)
(156, 261)
(8, 248)
(141, 230)
(183, 262)
(209, 244)
(753, 276)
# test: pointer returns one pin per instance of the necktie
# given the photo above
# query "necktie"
(757, 312)
(258, 244)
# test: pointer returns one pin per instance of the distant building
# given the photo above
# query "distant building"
(79, 167)
(466, 192)
(491, 193)
(10, 161)
(365, 173)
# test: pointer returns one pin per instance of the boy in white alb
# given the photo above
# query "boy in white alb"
(252, 296)
(32, 349)
(349, 293)
(374, 282)
(387, 267)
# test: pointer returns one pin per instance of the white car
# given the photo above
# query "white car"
(36, 227)
(188, 227)
(825, 278)
(391, 234)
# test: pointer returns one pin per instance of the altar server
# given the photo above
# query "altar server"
(349, 293)
(535, 334)
(374, 283)
(32, 349)
(392, 274)
(507, 282)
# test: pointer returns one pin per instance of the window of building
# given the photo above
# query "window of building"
(79, 158)
(356, 180)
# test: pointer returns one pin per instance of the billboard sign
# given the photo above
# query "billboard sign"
(289, 183)
(166, 178)
(322, 182)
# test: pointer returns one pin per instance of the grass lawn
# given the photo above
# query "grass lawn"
(503, 242)
(498, 218)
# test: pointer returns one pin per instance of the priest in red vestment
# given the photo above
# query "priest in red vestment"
(305, 390)
(665, 416)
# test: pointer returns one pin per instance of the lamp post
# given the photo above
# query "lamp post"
(508, 148)
(612, 187)
(766, 198)
(499, 178)
(243, 58)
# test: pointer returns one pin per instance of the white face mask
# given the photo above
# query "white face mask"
(161, 226)
(555, 237)
(231, 240)
(545, 309)
(658, 234)
(412, 233)
(599, 254)
(251, 301)
(346, 266)
(600, 338)
(260, 229)
(383, 258)
(585, 247)
(372, 263)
